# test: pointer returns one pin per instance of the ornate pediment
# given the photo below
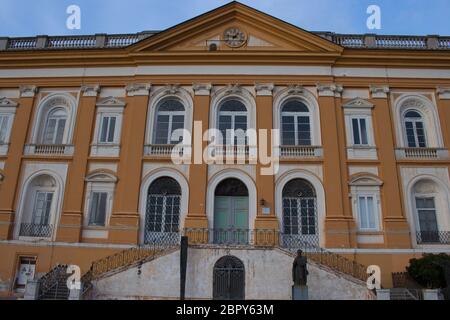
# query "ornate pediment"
(358, 103)
(5, 102)
(239, 28)
(111, 102)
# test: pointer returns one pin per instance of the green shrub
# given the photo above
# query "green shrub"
(428, 271)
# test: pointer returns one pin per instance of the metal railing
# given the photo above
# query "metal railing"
(122, 260)
(300, 152)
(53, 284)
(404, 280)
(36, 230)
(124, 40)
(309, 244)
(433, 237)
(232, 237)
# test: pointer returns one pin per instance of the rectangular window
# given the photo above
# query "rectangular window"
(366, 212)
(3, 128)
(108, 127)
(54, 132)
(26, 271)
(97, 211)
(42, 206)
(426, 211)
(360, 136)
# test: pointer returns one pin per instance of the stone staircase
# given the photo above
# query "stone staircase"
(121, 261)
(405, 288)
(405, 294)
(53, 285)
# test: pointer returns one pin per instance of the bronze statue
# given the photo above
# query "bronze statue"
(299, 270)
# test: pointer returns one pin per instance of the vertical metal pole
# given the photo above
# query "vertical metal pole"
(183, 266)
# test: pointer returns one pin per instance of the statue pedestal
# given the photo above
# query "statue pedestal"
(299, 292)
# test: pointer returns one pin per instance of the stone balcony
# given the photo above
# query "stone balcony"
(49, 149)
(421, 154)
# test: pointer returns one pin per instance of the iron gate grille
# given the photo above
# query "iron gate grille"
(162, 219)
(229, 279)
(300, 223)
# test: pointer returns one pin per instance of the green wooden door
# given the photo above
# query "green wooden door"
(231, 220)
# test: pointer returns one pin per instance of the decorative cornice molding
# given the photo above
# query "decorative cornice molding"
(111, 102)
(444, 93)
(5, 102)
(264, 89)
(379, 92)
(330, 90)
(202, 89)
(90, 90)
(138, 89)
(172, 89)
(295, 89)
(28, 91)
(233, 88)
(358, 103)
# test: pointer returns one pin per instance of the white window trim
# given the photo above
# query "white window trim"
(238, 93)
(367, 186)
(233, 115)
(360, 109)
(166, 93)
(376, 209)
(105, 187)
(414, 120)
(49, 116)
(98, 182)
(427, 108)
(310, 100)
(296, 115)
(171, 114)
(56, 204)
(108, 107)
(8, 109)
(40, 120)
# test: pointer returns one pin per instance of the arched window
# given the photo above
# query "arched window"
(300, 225)
(231, 212)
(162, 219)
(295, 124)
(426, 198)
(233, 122)
(55, 126)
(38, 213)
(169, 118)
(229, 279)
(414, 129)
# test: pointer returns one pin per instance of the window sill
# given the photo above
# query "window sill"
(105, 150)
(362, 153)
(4, 147)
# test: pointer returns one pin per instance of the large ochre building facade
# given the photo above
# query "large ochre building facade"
(85, 142)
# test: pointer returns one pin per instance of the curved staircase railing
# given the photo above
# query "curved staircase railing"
(122, 260)
(53, 285)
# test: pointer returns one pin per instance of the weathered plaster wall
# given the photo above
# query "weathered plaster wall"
(268, 276)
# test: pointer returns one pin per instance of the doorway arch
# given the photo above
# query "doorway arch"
(229, 279)
(231, 212)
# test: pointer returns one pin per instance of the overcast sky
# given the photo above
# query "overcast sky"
(36, 17)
